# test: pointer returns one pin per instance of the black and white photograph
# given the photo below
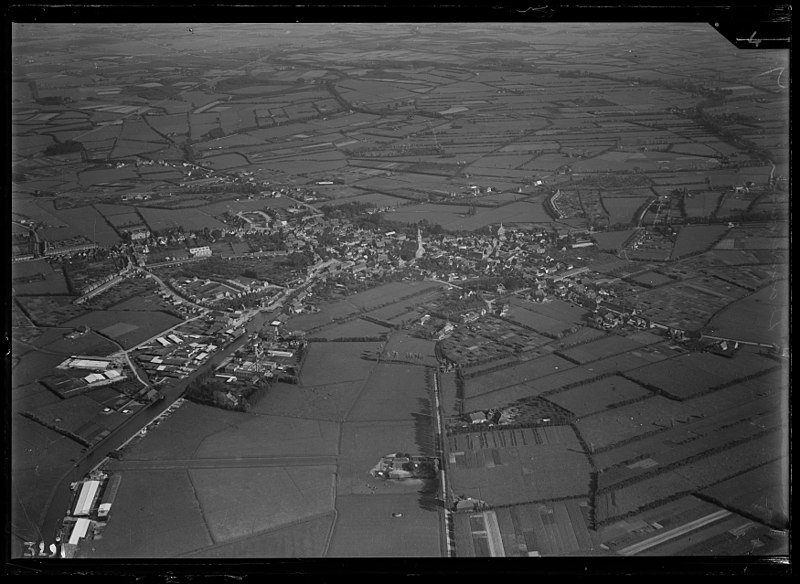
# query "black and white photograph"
(447, 288)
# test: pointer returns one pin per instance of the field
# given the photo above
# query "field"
(549, 528)
(321, 402)
(364, 443)
(255, 436)
(137, 528)
(651, 279)
(189, 219)
(761, 492)
(39, 458)
(537, 387)
(328, 363)
(392, 392)
(184, 432)
(626, 422)
(611, 240)
(50, 310)
(760, 317)
(37, 277)
(688, 375)
(529, 371)
(696, 238)
(523, 312)
(601, 348)
(404, 347)
(357, 328)
(365, 527)
(326, 316)
(621, 210)
(305, 539)
(687, 478)
(597, 396)
(237, 502)
(504, 467)
(390, 293)
(128, 329)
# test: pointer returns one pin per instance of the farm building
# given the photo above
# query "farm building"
(86, 498)
(90, 364)
(79, 531)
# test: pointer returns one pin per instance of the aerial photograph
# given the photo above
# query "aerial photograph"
(397, 290)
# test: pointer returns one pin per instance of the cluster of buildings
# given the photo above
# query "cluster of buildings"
(405, 466)
(78, 374)
(266, 356)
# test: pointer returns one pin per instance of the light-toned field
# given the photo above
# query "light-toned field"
(365, 527)
(237, 502)
(156, 515)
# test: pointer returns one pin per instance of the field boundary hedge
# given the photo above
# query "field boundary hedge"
(71, 435)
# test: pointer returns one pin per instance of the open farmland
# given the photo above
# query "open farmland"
(239, 501)
(598, 396)
(528, 371)
(330, 401)
(687, 478)
(504, 467)
(392, 392)
(336, 362)
(550, 528)
(760, 492)
(334, 143)
(760, 317)
(37, 277)
(601, 348)
(693, 374)
(357, 328)
(697, 238)
(610, 427)
(303, 539)
(137, 530)
(128, 329)
(188, 219)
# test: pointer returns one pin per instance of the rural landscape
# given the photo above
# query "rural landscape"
(398, 290)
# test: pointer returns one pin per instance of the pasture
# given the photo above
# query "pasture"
(156, 515)
(264, 435)
(598, 396)
(238, 502)
(392, 392)
(127, 328)
(330, 401)
(365, 527)
(328, 363)
(305, 539)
